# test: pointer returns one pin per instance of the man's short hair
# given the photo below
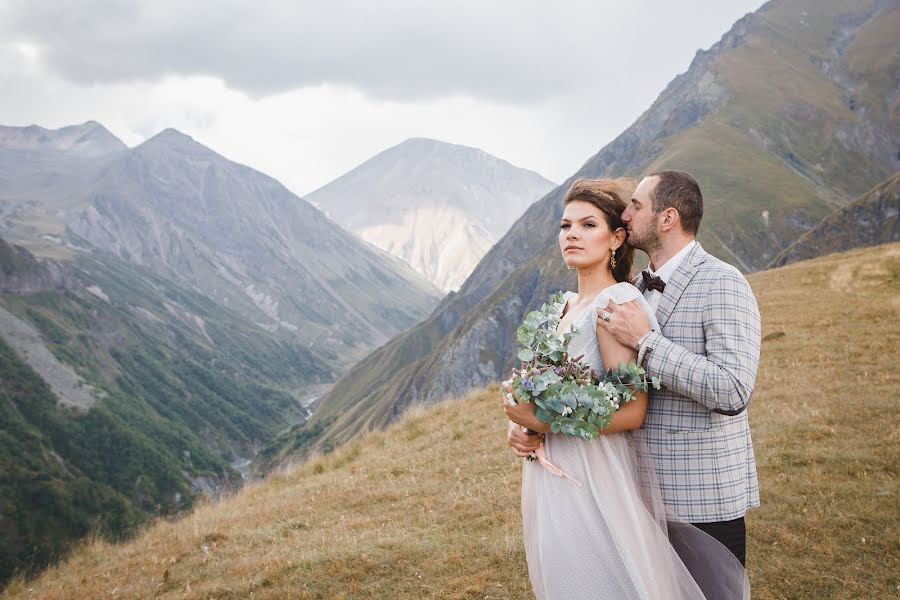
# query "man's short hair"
(679, 190)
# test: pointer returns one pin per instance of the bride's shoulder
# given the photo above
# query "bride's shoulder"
(626, 287)
(621, 292)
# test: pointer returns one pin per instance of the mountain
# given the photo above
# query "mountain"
(244, 240)
(869, 221)
(124, 396)
(791, 115)
(87, 140)
(41, 174)
(234, 234)
(437, 206)
(429, 508)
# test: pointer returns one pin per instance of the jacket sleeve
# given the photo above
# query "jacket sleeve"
(722, 380)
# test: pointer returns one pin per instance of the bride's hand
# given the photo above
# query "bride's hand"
(523, 444)
(522, 413)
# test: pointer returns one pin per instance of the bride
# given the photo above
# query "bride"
(602, 532)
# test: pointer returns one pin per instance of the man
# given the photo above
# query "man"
(706, 356)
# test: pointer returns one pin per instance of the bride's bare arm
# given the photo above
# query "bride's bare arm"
(631, 415)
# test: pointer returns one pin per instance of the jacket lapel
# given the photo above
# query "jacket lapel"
(678, 283)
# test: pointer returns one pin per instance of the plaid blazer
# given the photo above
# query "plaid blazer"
(706, 355)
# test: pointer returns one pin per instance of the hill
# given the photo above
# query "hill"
(437, 206)
(788, 117)
(429, 508)
(869, 221)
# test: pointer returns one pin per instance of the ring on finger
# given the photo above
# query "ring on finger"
(605, 316)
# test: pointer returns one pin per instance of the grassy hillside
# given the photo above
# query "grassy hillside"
(429, 508)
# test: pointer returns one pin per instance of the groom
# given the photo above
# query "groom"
(706, 355)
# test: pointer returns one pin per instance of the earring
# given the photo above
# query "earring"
(570, 267)
(612, 260)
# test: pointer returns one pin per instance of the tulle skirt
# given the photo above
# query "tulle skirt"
(609, 538)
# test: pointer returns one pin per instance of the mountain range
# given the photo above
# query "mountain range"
(790, 116)
(164, 314)
(437, 206)
(234, 234)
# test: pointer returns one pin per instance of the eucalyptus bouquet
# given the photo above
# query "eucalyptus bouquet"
(568, 395)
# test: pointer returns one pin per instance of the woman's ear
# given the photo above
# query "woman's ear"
(619, 235)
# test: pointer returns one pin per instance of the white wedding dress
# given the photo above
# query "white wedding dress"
(608, 538)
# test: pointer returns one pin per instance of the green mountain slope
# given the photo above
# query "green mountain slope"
(123, 396)
(791, 115)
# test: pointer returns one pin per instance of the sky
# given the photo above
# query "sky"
(305, 90)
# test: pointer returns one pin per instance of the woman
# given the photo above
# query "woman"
(608, 537)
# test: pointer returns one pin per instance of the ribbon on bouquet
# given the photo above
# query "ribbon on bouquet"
(541, 456)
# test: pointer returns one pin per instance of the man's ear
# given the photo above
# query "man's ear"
(669, 219)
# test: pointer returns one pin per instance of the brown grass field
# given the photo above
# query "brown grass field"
(430, 507)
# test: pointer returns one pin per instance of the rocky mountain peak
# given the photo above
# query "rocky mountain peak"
(437, 206)
(89, 140)
(172, 140)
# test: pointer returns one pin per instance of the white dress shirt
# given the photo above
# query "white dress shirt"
(665, 273)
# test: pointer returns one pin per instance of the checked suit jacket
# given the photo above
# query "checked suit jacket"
(706, 354)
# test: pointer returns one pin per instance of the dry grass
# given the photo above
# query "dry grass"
(430, 507)
(825, 429)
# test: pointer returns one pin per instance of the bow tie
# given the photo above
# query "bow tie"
(653, 282)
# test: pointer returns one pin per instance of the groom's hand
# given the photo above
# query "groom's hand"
(626, 322)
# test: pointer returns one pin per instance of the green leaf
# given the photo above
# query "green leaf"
(525, 337)
(555, 405)
(541, 414)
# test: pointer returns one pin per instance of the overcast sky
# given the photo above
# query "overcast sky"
(306, 90)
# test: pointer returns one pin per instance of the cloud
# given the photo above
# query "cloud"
(211, 71)
(513, 51)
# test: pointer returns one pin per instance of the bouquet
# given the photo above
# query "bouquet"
(568, 395)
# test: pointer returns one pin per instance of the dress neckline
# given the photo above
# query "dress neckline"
(585, 311)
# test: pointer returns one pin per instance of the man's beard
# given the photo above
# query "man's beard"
(649, 242)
